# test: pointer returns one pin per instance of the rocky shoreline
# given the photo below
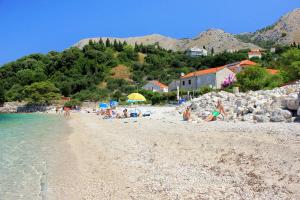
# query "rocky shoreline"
(277, 105)
(23, 107)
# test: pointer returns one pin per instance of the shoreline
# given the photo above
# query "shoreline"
(162, 157)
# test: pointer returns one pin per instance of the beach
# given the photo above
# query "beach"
(162, 157)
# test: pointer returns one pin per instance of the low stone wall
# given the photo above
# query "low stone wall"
(23, 107)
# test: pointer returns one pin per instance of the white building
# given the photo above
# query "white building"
(195, 51)
(255, 53)
(173, 85)
(213, 77)
(155, 86)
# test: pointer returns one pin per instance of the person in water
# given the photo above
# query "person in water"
(218, 111)
(187, 114)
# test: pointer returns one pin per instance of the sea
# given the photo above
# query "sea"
(30, 147)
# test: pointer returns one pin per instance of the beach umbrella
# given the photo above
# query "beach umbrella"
(135, 97)
(103, 105)
(113, 103)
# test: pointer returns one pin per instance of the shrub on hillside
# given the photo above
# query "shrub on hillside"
(257, 78)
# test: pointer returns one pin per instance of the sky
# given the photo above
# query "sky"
(39, 26)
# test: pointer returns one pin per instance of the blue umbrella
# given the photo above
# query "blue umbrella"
(103, 105)
(113, 103)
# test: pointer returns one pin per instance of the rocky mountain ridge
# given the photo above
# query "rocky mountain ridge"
(285, 31)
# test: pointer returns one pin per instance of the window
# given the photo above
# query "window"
(183, 82)
(190, 82)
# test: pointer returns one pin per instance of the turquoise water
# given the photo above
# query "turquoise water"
(29, 144)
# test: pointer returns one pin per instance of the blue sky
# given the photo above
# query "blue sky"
(38, 26)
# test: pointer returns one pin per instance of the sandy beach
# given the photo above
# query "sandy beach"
(162, 157)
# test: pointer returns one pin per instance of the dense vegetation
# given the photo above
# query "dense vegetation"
(86, 74)
(257, 78)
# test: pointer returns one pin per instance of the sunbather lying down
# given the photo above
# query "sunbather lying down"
(215, 113)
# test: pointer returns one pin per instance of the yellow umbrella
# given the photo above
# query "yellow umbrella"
(135, 97)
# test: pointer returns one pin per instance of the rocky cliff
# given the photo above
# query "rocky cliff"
(285, 31)
(212, 38)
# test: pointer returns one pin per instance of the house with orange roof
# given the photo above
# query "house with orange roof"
(155, 86)
(213, 77)
(254, 53)
(238, 66)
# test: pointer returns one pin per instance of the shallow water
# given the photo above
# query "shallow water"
(29, 146)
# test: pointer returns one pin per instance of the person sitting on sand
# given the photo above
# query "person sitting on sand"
(219, 110)
(109, 113)
(187, 114)
(125, 113)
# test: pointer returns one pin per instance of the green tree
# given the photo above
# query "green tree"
(41, 93)
(212, 51)
(2, 95)
(25, 76)
(15, 93)
(107, 43)
(101, 43)
(290, 63)
(257, 78)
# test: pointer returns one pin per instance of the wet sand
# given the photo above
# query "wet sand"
(162, 157)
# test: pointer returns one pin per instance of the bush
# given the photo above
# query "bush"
(91, 95)
(2, 95)
(257, 78)
(41, 93)
(204, 90)
(73, 103)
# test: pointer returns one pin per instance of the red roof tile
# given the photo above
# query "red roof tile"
(232, 67)
(159, 84)
(244, 63)
(203, 72)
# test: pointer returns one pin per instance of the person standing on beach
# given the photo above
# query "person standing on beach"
(67, 111)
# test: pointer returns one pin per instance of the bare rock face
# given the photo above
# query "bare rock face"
(212, 39)
(219, 41)
(163, 41)
(285, 31)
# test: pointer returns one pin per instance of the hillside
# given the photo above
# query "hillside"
(285, 31)
(218, 40)
(164, 42)
(212, 38)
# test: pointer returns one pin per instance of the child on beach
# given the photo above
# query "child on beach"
(187, 114)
